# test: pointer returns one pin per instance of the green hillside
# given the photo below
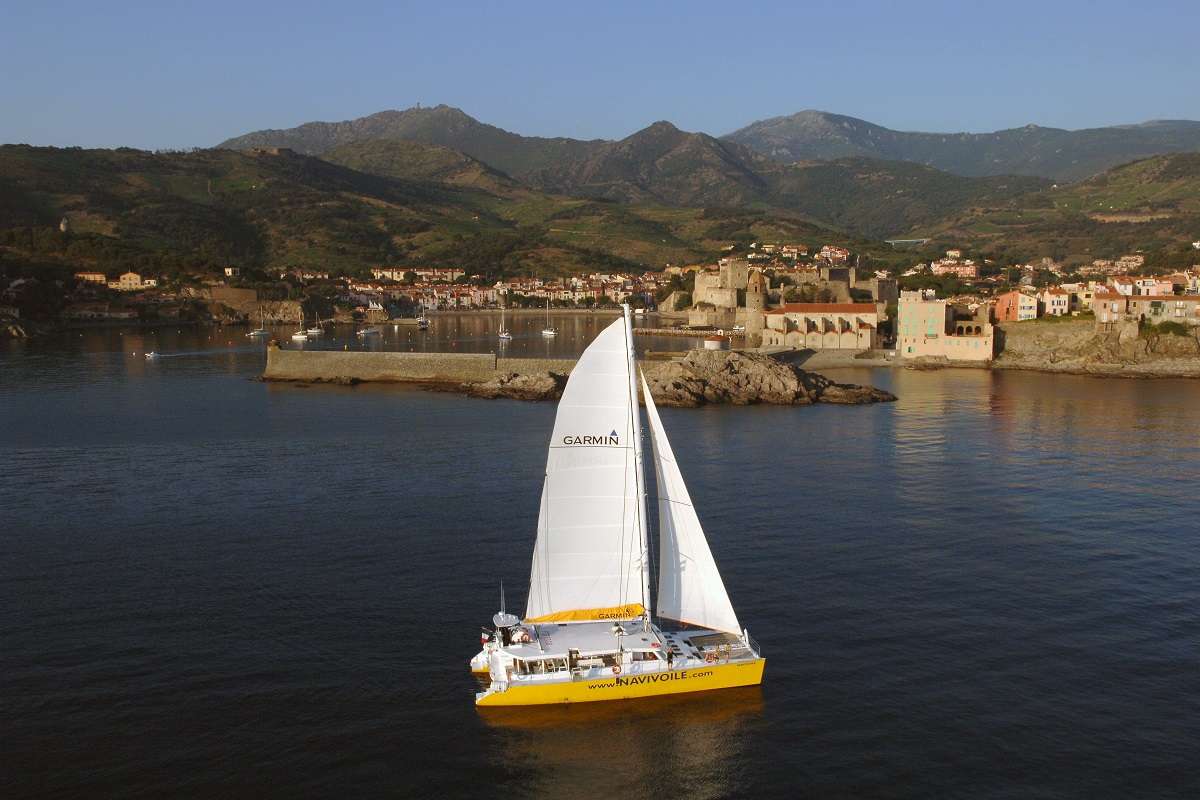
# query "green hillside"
(889, 198)
(1150, 207)
(420, 161)
(189, 215)
(192, 214)
(441, 125)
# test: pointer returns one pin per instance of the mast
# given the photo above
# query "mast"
(643, 516)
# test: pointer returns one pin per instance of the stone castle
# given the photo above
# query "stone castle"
(736, 295)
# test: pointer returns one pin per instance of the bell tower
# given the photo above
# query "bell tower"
(756, 305)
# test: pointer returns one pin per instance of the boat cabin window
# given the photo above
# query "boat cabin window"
(540, 666)
(646, 655)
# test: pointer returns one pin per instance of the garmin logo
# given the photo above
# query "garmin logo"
(623, 614)
(611, 440)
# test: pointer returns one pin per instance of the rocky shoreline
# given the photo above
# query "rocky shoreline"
(701, 378)
(1069, 347)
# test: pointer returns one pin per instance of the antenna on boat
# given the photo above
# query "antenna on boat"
(504, 619)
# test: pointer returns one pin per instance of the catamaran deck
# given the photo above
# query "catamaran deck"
(595, 639)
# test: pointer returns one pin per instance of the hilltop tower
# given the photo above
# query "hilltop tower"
(756, 305)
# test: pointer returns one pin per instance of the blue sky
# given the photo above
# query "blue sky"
(175, 75)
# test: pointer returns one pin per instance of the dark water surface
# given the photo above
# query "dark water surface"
(215, 587)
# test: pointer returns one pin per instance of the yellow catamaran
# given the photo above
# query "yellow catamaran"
(587, 634)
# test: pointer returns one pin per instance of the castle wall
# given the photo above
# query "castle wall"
(734, 274)
(706, 282)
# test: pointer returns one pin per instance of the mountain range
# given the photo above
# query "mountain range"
(1035, 151)
(396, 202)
(376, 191)
(1032, 150)
(660, 165)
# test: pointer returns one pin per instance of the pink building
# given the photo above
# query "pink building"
(1015, 306)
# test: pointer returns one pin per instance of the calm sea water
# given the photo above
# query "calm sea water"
(216, 587)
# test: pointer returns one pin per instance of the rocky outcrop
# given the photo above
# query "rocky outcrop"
(704, 376)
(712, 376)
(534, 386)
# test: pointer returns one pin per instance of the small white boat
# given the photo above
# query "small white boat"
(504, 334)
(152, 354)
(300, 335)
(316, 329)
(549, 330)
(369, 332)
(262, 326)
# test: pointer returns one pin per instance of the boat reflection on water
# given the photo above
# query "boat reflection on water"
(686, 745)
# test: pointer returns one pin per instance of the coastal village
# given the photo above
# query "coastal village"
(775, 297)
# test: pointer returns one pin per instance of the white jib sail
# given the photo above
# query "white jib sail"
(690, 588)
(588, 562)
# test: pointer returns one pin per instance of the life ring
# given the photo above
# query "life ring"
(617, 669)
(656, 644)
(525, 638)
(711, 657)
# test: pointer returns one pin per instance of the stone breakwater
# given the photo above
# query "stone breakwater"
(703, 376)
(334, 366)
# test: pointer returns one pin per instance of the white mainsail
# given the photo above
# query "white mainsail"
(690, 588)
(589, 561)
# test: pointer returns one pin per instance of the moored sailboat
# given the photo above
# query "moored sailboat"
(300, 335)
(588, 633)
(504, 332)
(262, 326)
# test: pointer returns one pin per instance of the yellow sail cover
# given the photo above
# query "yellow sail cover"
(592, 614)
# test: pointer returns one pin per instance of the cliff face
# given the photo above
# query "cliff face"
(706, 376)
(1075, 346)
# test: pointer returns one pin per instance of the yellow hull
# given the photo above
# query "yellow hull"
(696, 679)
